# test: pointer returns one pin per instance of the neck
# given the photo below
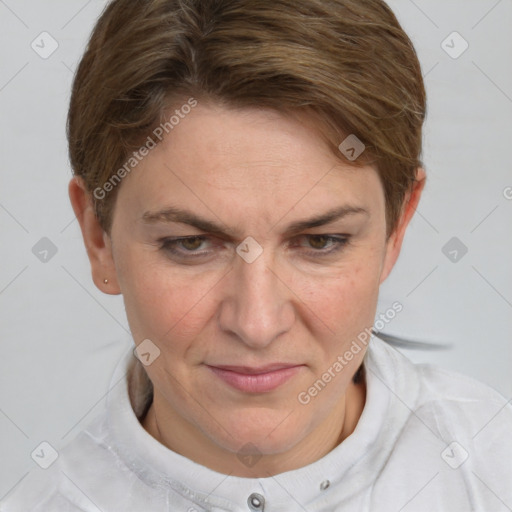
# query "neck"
(184, 438)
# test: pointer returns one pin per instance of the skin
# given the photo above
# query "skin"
(253, 172)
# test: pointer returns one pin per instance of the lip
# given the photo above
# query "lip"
(255, 380)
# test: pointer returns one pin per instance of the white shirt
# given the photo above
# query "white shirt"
(427, 440)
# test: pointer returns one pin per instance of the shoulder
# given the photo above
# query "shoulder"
(466, 414)
(89, 472)
(444, 405)
(472, 423)
(446, 399)
(63, 485)
(455, 439)
(461, 401)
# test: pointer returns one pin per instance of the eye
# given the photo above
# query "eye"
(319, 241)
(191, 244)
(322, 244)
(186, 247)
(202, 248)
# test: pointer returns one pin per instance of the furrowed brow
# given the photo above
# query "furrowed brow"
(181, 216)
(325, 218)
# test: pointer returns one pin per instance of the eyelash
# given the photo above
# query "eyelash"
(169, 245)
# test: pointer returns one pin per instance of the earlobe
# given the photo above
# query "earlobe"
(394, 244)
(97, 242)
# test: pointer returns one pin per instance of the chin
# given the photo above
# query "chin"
(266, 434)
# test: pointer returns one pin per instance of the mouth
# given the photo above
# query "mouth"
(255, 379)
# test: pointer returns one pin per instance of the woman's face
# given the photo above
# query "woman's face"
(222, 307)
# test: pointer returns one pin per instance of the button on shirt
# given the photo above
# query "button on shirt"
(427, 440)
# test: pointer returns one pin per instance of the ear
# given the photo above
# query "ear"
(97, 243)
(394, 243)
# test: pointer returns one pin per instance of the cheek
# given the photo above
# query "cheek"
(162, 303)
(344, 302)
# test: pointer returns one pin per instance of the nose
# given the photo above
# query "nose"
(258, 306)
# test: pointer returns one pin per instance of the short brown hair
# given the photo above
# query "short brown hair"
(346, 62)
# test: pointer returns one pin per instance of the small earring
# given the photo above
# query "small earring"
(105, 281)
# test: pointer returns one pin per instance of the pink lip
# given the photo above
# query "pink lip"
(255, 380)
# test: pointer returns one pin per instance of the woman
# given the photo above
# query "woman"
(245, 172)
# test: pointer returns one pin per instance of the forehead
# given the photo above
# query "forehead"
(223, 143)
(248, 160)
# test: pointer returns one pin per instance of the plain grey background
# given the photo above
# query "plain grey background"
(61, 337)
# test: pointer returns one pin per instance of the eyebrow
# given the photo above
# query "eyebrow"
(172, 214)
